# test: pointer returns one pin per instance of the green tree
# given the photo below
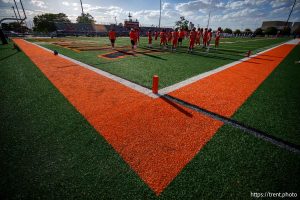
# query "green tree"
(258, 31)
(237, 31)
(227, 30)
(45, 22)
(14, 26)
(286, 31)
(271, 31)
(248, 30)
(85, 18)
(182, 23)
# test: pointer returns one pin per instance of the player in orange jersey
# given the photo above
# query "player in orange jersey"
(149, 34)
(137, 30)
(133, 38)
(175, 36)
(112, 37)
(163, 38)
(218, 35)
(193, 35)
(156, 34)
(181, 37)
(169, 37)
(198, 36)
(205, 37)
(209, 37)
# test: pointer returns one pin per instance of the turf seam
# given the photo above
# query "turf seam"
(245, 128)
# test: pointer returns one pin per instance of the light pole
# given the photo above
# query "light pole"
(209, 14)
(81, 7)
(159, 13)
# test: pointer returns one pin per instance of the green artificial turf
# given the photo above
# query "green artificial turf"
(274, 107)
(49, 151)
(232, 165)
(170, 67)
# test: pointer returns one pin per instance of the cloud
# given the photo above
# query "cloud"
(65, 3)
(167, 6)
(38, 3)
(192, 6)
(278, 3)
(281, 10)
(5, 1)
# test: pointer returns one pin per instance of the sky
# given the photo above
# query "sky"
(234, 14)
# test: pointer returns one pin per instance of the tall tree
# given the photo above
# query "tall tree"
(14, 26)
(45, 22)
(248, 30)
(182, 23)
(258, 31)
(85, 18)
(227, 30)
(237, 31)
(271, 31)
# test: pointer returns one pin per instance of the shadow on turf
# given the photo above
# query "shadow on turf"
(142, 53)
(180, 109)
(9, 56)
(208, 55)
(236, 124)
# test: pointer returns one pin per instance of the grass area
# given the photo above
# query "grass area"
(274, 107)
(170, 67)
(49, 151)
(234, 164)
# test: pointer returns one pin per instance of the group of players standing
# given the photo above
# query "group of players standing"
(174, 38)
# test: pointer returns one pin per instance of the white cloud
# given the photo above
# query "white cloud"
(167, 6)
(192, 6)
(278, 3)
(280, 10)
(38, 3)
(5, 1)
(65, 3)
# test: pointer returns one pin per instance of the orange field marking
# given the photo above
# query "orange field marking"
(157, 138)
(223, 93)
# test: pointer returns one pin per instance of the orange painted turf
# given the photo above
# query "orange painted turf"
(155, 137)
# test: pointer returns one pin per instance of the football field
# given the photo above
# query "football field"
(85, 125)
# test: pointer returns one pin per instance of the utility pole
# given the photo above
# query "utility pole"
(81, 7)
(159, 13)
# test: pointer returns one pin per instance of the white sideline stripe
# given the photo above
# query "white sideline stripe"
(127, 83)
(171, 88)
(294, 41)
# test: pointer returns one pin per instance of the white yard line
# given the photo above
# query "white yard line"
(168, 89)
